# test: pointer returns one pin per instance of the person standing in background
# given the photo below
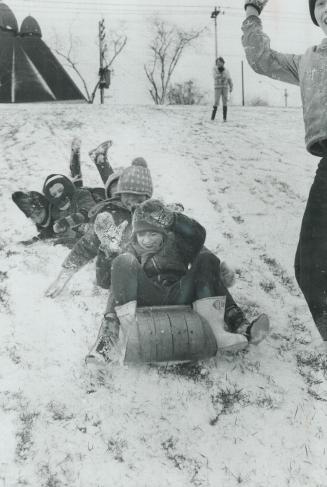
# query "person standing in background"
(223, 83)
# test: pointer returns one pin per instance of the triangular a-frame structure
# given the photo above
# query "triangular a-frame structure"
(29, 72)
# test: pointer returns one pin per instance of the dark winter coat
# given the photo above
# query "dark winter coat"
(181, 245)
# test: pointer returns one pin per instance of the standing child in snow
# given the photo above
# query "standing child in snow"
(223, 82)
(165, 264)
(309, 71)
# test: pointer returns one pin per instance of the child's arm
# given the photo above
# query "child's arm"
(264, 60)
(230, 82)
(191, 235)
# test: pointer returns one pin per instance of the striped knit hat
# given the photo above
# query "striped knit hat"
(136, 179)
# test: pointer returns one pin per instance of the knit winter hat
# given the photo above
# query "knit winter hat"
(112, 179)
(67, 194)
(312, 4)
(152, 215)
(30, 201)
(53, 179)
(136, 179)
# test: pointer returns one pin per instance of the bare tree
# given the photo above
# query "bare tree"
(115, 43)
(166, 48)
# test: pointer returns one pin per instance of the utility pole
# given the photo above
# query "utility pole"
(242, 73)
(102, 35)
(286, 96)
(214, 15)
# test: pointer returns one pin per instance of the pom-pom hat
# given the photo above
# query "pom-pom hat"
(136, 179)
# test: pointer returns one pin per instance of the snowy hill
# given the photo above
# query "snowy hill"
(257, 418)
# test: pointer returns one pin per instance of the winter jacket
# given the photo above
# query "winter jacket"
(181, 245)
(222, 78)
(88, 246)
(308, 70)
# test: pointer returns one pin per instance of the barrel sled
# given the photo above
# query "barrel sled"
(168, 334)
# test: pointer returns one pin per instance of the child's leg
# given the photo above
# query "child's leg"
(224, 95)
(103, 270)
(215, 104)
(75, 162)
(311, 255)
(99, 156)
(130, 283)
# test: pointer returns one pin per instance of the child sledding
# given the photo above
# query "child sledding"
(61, 210)
(165, 264)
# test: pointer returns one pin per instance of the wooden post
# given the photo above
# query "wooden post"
(242, 71)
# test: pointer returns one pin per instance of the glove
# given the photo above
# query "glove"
(71, 221)
(60, 226)
(109, 234)
(227, 275)
(257, 4)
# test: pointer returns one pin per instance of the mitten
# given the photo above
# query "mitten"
(67, 222)
(109, 234)
(257, 4)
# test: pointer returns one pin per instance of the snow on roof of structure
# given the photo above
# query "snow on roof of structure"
(30, 27)
(8, 20)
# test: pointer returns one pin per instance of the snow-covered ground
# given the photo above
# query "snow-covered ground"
(257, 418)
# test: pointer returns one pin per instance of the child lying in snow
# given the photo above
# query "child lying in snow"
(166, 264)
(66, 226)
(133, 186)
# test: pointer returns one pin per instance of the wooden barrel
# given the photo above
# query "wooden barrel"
(164, 334)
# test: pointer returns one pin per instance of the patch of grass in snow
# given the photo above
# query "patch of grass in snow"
(4, 299)
(313, 368)
(278, 271)
(226, 399)
(195, 467)
(49, 479)
(59, 411)
(192, 371)
(267, 285)
(116, 447)
(24, 435)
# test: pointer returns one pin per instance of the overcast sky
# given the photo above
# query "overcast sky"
(287, 22)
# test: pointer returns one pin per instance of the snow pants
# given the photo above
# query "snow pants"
(221, 92)
(311, 254)
(129, 282)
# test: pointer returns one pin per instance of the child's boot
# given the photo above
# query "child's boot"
(100, 159)
(255, 332)
(214, 111)
(224, 113)
(212, 309)
(126, 314)
(105, 348)
(258, 330)
(75, 162)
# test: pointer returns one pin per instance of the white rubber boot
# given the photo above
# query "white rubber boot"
(213, 309)
(126, 314)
